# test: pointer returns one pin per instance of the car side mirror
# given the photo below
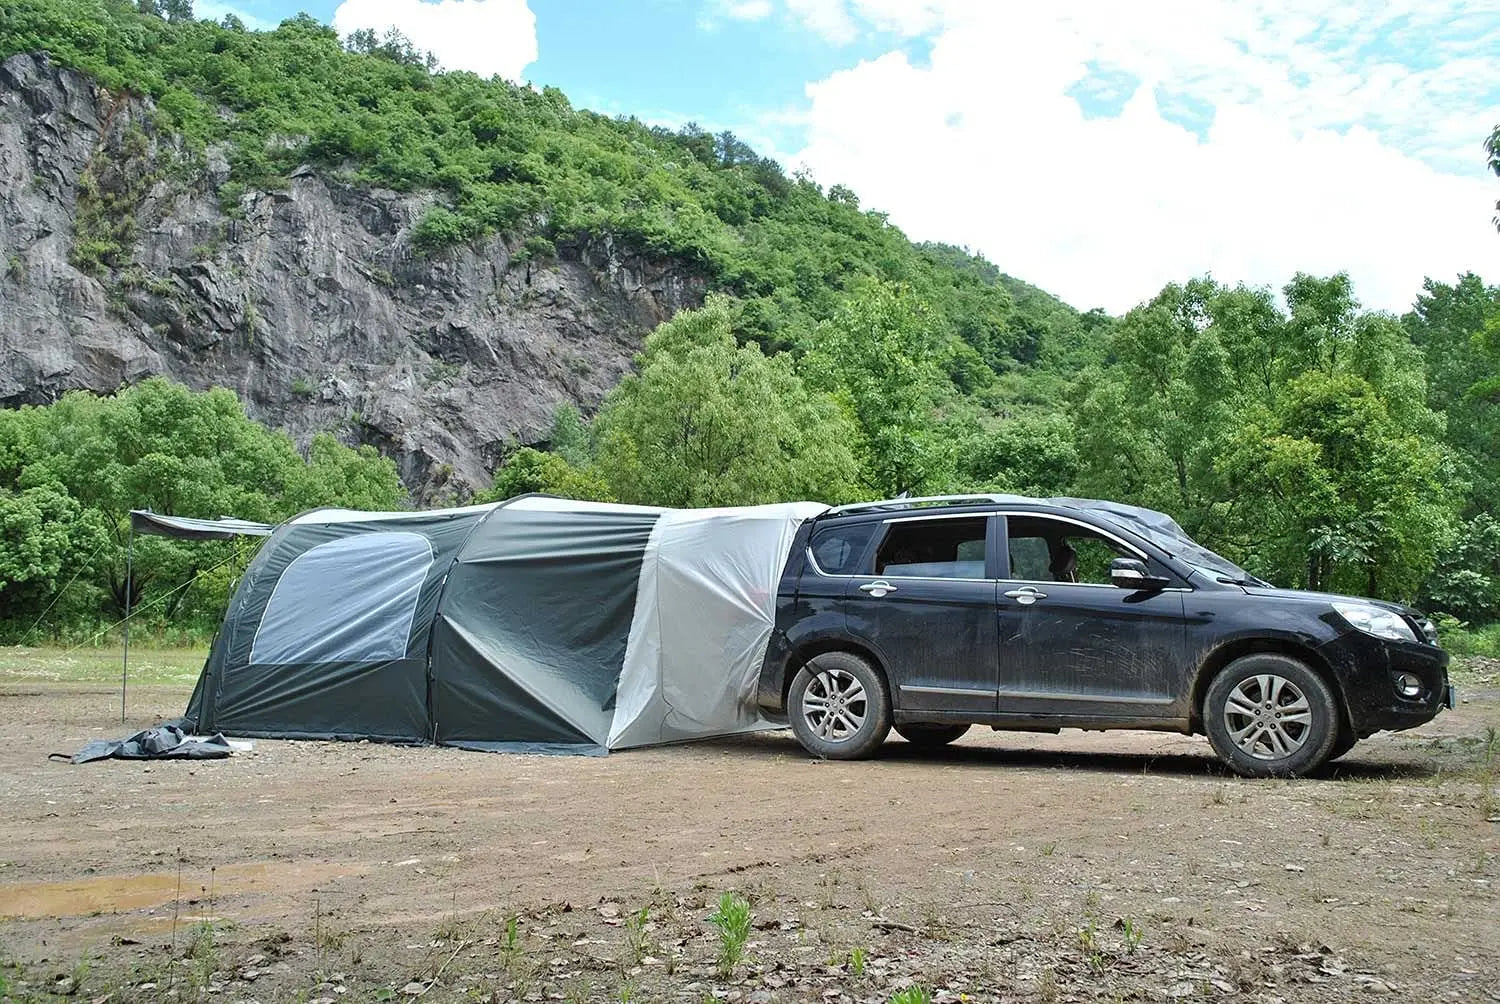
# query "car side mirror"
(1131, 573)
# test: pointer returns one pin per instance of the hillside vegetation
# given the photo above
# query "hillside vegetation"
(1318, 444)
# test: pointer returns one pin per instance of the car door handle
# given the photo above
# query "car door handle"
(1026, 595)
(878, 588)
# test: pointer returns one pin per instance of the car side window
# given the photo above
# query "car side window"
(838, 548)
(933, 548)
(1054, 550)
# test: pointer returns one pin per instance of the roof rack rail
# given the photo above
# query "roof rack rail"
(912, 503)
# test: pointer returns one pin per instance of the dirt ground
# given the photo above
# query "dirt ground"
(1119, 866)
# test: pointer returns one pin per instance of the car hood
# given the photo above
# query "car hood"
(1329, 598)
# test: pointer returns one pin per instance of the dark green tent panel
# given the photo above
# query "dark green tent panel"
(539, 602)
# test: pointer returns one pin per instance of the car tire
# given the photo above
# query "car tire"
(1270, 715)
(928, 736)
(838, 707)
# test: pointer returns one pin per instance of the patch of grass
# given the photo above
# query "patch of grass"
(1462, 640)
(912, 995)
(99, 665)
(732, 921)
(638, 934)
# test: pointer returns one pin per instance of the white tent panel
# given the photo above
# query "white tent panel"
(705, 609)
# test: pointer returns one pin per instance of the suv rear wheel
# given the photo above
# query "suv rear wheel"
(1270, 715)
(929, 736)
(838, 706)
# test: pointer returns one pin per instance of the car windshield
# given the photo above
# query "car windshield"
(1161, 530)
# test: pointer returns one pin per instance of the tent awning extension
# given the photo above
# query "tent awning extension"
(187, 528)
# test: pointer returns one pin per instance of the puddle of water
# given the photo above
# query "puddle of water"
(123, 893)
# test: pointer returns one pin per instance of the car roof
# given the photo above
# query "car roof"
(945, 503)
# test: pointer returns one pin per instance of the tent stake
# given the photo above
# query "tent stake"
(129, 570)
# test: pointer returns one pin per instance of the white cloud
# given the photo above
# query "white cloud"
(212, 10)
(488, 37)
(1337, 140)
(748, 10)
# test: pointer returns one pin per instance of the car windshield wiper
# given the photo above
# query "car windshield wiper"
(1247, 580)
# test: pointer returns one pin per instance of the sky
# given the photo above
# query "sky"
(1097, 149)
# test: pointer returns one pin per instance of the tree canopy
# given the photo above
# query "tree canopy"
(71, 471)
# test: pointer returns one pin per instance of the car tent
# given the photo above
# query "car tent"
(537, 624)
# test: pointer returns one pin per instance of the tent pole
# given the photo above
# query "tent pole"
(129, 571)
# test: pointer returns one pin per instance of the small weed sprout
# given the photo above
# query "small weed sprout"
(512, 942)
(857, 958)
(1048, 849)
(732, 919)
(912, 995)
(1133, 933)
(637, 939)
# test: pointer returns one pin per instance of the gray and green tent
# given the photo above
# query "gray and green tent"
(537, 624)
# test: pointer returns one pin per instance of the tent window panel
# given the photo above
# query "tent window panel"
(348, 600)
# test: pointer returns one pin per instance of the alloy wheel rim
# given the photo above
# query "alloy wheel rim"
(1268, 717)
(835, 705)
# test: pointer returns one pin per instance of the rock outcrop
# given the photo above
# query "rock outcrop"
(118, 260)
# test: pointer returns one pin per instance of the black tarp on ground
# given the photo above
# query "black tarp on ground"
(164, 742)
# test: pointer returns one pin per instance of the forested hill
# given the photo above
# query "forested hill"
(318, 223)
(452, 270)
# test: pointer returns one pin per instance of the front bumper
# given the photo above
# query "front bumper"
(1367, 668)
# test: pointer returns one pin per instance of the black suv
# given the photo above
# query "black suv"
(932, 615)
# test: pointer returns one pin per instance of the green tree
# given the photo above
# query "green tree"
(528, 470)
(79, 465)
(1028, 455)
(708, 422)
(1353, 501)
(1299, 443)
(1466, 581)
(880, 355)
(1151, 422)
(45, 539)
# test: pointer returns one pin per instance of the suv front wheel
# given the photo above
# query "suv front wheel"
(1270, 715)
(838, 707)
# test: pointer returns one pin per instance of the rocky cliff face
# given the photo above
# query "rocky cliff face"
(117, 262)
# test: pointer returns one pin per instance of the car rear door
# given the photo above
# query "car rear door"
(924, 602)
(1073, 644)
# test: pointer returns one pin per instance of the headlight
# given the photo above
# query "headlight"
(1376, 621)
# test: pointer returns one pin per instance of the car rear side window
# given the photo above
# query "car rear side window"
(837, 549)
(934, 548)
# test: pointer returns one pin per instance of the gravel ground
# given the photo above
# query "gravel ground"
(1118, 866)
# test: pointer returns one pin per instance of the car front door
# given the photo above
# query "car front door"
(925, 603)
(1072, 643)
